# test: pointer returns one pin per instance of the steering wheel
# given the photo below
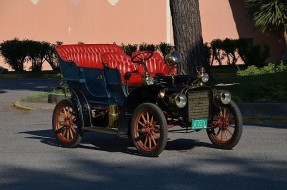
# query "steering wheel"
(141, 56)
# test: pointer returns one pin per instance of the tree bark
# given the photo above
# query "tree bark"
(188, 35)
(285, 33)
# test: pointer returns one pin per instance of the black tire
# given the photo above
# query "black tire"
(149, 129)
(226, 128)
(66, 124)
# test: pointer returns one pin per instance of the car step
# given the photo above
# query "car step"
(101, 130)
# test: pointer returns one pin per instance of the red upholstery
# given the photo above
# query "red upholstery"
(156, 65)
(86, 55)
(113, 56)
(123, 63)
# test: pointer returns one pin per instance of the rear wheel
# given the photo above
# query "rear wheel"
(149, 129)
(226, 128)
(66, 124)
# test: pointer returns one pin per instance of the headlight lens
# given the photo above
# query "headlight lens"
(178, 100)
(204, 77)
(223, 97)
(173, 58)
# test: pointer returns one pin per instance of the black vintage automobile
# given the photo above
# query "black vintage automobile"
(139, 97)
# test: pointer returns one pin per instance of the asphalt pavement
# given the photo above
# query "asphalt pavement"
(31, 157)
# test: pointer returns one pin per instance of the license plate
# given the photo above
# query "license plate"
(199, 124)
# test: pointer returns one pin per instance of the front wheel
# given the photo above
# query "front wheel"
(225, 129)
(66, 124)
(149, 129)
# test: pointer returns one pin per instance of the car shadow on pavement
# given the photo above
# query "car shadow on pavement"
(111, 143)
(185, 144)
(44, 136)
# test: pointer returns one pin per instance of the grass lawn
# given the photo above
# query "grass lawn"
(259, 88)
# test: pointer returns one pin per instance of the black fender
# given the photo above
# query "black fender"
(144, 94)
(82, 107)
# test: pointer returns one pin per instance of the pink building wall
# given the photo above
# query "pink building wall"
(120, 21)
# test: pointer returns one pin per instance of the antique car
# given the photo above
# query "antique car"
(139, 97)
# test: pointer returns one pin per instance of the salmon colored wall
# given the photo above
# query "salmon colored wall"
(88, 21)
(126, 21)
(228, 19)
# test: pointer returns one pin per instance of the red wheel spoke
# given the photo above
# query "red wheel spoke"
(154, 134)
(62, 115)
(224, 112)
(142, 116)
(229, 131)
(227, 116)
(218, 131)
(149, 142)
(65, 112)
(151, 121)
(68, 134)
(65, 131)
(73, 129)
(153, 140)
(225, 133)
(142, 124)
(59, 130)
(145, 142)
(147, 117)
(71, 133)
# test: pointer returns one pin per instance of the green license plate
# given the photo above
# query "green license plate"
(199, 124)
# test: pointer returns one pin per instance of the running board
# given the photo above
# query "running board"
(101, 130)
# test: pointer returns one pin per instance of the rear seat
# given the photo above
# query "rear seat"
(86, 55)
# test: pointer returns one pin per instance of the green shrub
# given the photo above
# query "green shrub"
(233, 49)
(147, 47)
(253, 88)
(36, 53)
(270, 68)
(165, 48)
(15, 53)
(129, 48)
(257, 55)
(52, 57)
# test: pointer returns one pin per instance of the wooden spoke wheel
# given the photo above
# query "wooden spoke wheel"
(66, 124)
(149, 129)
(226, 128)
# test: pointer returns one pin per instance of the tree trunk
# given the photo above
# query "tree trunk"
(188, 35)
(285, 33)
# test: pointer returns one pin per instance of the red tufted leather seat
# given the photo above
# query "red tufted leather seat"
(156, 66)
(86, 55)
(113, 56)
(123, 63)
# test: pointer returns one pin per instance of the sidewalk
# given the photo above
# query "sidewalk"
(264, 112)
(275, 113)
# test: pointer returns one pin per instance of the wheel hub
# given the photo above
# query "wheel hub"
(68, 122)
(222, 123)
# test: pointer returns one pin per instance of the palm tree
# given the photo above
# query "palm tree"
(269, 15)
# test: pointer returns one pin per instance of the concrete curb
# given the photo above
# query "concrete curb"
(247, 120)
(20, 106)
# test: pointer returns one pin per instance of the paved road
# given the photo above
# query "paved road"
(30, 157)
